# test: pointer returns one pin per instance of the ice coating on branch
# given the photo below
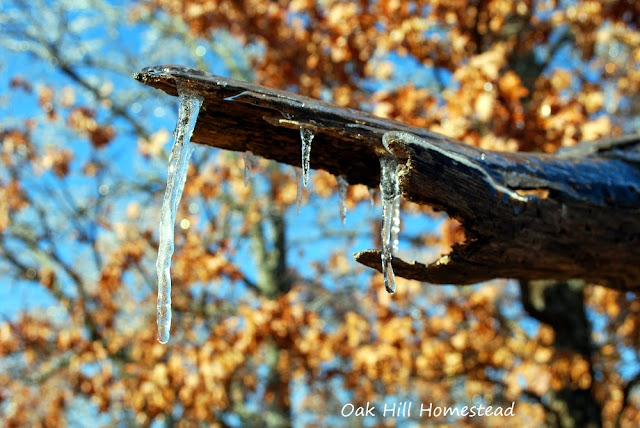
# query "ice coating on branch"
(299, 184)
(343, 185)
(390, 196)
(237, 96)
(306, 135)
(249, 160)
(178, 166)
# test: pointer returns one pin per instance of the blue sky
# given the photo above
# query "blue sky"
(155, 111)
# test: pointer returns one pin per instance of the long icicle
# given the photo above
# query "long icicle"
(178, 166)
(390, 192)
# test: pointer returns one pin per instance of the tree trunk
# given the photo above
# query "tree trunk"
(272, 283)
(561, 306)
(278, 399)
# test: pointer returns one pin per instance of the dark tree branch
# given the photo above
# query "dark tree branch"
(267, 122)
(526, 215)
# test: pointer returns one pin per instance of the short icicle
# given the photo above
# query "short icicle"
(178, 166)
(306, 135)
(343, 186)
(249, 160)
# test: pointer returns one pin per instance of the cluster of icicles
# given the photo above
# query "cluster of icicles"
(189, 108)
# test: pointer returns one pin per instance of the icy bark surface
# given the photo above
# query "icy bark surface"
(343, 185)
(178, 165)
(591, 186)
(306, 135)
(390, 195)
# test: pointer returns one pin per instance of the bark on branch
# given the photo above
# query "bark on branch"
(526, 215)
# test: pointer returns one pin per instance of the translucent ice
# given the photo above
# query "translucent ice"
(390, 195)
(178, 166)
(238, 96)
(395, 224)
(249, 160)
(299, 184)
(343, 185)
(306, 135)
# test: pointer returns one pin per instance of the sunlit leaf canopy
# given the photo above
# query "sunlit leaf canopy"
(272, 320)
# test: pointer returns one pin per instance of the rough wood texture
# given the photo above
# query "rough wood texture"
(526, 215)
(267, 122)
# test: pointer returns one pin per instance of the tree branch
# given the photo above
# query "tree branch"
(526, 215)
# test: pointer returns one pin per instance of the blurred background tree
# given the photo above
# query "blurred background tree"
(273, 323)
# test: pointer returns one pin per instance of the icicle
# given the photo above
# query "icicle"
(390, 195)
(343, 185)
(178, 166)
(249, 160)
(306, 135)
(395, 223)
(299, 184)
(372, 196)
